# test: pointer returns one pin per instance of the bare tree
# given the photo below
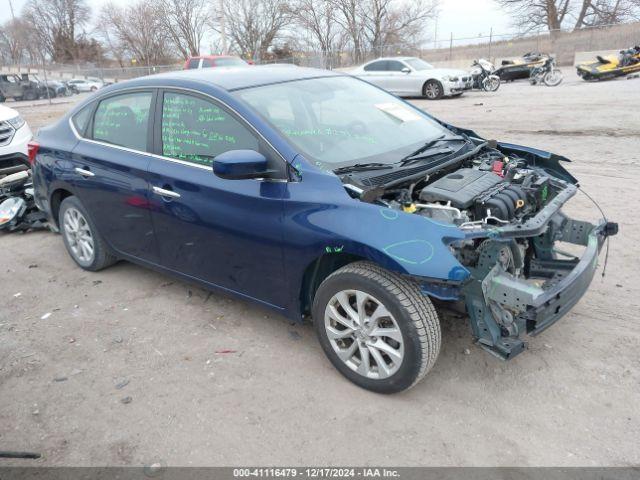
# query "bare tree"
(56, 24)
(607, 12)
(12, 41)
(318, 20)
(138, 30)
(254, 25)
(352, 18)
(186, 22)
(554, 14)
(390, 22)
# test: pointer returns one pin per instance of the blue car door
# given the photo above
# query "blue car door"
(109, 170)
(227, 233)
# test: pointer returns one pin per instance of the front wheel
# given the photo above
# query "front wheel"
(553, 78)
(376, 327)
(433, 90)
(491, 83)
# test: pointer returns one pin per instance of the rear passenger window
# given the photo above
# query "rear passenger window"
(380, 66)
(193, 63)
(123, 120)
(207, 63)
(196, 130)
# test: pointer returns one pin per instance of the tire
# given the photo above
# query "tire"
(93, 89)
(30, 95)
(101, 256)
(409, 317)
(2, 99)
(553, 78)
(433, 90)
(491, 83)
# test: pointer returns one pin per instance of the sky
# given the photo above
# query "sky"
(463, 18)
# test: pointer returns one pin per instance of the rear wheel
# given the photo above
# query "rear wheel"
(81, 238)
(2, 99)
(31, 95)
(376, 327)
(433, 90)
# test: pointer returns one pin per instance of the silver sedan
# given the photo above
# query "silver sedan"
(413, 77)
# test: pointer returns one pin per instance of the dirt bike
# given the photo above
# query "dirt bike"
(546, 73)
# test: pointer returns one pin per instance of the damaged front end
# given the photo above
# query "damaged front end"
(521, 282)
(529, 263)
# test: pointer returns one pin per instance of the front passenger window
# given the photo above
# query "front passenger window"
(123, 120)
(196, 130)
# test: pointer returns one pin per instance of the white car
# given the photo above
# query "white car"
(86, 85)
(413, 77)
(15, 136)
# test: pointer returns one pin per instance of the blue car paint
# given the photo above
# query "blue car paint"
(252, 238)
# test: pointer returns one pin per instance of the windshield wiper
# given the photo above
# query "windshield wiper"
(362, 167)
(417, 155)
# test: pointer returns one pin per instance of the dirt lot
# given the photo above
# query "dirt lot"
(571, 399)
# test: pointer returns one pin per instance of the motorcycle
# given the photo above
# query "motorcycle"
(483, 77)
(546, 73)
(18, 210)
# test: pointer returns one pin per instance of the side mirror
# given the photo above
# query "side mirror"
(406, 70)
(240, 164)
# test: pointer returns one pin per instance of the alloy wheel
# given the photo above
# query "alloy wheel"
(432, 90)
(364, 334)
(78, 235)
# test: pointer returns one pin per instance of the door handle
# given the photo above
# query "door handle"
(84, 173)
(165, 193)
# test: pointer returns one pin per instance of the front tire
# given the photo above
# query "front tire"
(433, 90)
(376, 327)
(553, 78)
(81, 238)
(491, 83)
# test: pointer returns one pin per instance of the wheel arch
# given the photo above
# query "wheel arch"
(315, 273)
(55, 200)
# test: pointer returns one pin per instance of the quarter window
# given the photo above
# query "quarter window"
(123, 120)
(81, 119)
(196, 130)
(193, 63)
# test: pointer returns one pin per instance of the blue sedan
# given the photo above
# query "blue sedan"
(319, 195)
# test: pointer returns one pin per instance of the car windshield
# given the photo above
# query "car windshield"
(341, 121)
(230, 62)
(418, 64)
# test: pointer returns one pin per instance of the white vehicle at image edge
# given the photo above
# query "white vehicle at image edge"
(413, 77)
(86, 85)
(15, 135)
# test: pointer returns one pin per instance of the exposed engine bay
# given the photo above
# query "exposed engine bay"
(487, 189)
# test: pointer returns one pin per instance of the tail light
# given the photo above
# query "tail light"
(32, 151)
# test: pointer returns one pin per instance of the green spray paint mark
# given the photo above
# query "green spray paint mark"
(413, 252)
(334, 249)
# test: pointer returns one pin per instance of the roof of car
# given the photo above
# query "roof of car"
(392, 58)
(213, 56)
(235, 78)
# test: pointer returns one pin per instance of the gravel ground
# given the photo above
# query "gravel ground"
(126, 366)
